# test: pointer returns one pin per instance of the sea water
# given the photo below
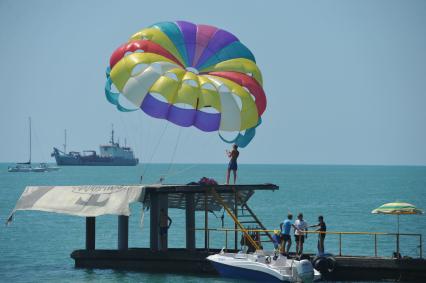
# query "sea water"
(36, 247)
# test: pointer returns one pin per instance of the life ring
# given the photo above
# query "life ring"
(268, 259)
(331, 264)
(324, 264)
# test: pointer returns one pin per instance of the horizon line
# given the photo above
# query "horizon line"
(243, 163)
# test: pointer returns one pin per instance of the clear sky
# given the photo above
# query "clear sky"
(345, 80)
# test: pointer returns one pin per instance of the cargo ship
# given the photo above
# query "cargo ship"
(111, 154)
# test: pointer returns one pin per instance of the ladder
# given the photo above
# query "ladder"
(235, 219)
(255, 220)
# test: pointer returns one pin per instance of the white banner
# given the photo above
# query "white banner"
(86, 201)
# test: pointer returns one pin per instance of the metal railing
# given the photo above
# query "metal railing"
(340, 234)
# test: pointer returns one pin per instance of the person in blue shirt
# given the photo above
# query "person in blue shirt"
(276, 240)
(285, 227)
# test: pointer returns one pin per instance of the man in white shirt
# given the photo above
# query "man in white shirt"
(299, 233)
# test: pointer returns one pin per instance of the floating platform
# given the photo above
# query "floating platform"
(183, 261)
(93, 201)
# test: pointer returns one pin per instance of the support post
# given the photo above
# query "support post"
(206, 220)
(190, 221)
(340, 244)
(375, 245)
(90, 233)
(397, 239)
(397, 244)
(123, 232)
(236, 216)
(163, 200)
(154, 221)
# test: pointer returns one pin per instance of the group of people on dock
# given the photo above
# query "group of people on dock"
(282, 238)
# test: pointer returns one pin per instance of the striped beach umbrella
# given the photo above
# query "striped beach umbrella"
(397, 208)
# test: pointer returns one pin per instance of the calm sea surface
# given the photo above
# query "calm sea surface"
(36, 247)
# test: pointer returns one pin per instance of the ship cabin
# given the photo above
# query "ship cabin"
(114, 150)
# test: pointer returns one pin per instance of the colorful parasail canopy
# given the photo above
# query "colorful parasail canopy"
(190, 75)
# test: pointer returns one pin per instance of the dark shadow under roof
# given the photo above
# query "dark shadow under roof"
(203, 196)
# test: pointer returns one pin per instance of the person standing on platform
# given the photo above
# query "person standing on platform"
(285, 227)
(232, 166)
(276, 240)
(321, 236)
(165, 223)
(299, 233)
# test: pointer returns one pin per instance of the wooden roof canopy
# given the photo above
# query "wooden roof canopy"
(203, 196)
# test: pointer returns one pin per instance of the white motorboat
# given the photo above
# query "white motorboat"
(263, 267)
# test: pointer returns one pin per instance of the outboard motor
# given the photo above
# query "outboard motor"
(305, 270)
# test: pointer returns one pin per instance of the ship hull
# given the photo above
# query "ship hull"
(94, 161)
(75, 159)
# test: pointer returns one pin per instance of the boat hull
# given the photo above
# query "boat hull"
(14, 170)
(263, 267)
(64, 160)
(243, 273)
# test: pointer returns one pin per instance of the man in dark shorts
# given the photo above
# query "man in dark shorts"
(232, 166)
(165, 222)
(299, 233)
(321, 236)
(285, 227)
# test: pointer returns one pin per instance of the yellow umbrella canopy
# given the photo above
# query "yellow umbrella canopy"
(397, 208)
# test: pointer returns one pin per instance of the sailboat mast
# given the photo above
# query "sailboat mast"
(65, 143)
(29, 122)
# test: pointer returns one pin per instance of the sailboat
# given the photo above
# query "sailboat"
(26, 166)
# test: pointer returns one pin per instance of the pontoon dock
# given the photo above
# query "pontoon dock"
(99, 200)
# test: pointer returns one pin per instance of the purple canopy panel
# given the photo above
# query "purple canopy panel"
(189, 31)
(219, 40)
(154, 107)
(207, 122)
(181, 117)
(204, 33)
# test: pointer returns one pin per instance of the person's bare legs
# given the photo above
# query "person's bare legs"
(299, 247)
(235, 176)
(288, 246)
(228, 173)
(321, 245)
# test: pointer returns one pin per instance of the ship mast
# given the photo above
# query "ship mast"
(29, 122)
(65, 143)
(112, 134)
